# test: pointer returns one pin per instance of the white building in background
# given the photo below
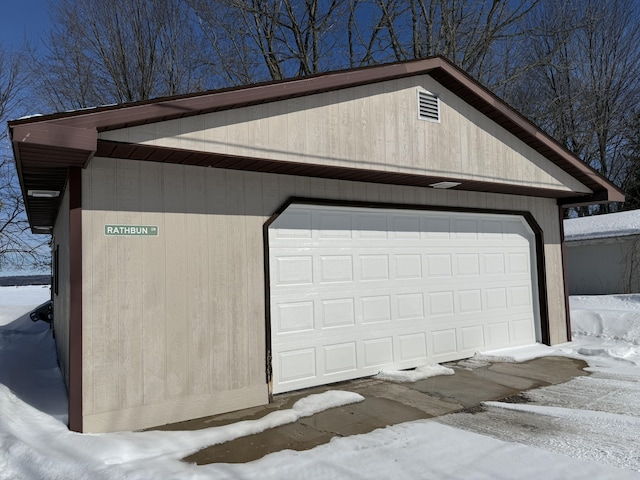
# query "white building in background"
(603, 253)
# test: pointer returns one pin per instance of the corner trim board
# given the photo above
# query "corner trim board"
(75, 300)
(565, 277)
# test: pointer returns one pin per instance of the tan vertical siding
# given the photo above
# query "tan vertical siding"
(221, 289)
(154, 314)
(177, 321)
(177, 276)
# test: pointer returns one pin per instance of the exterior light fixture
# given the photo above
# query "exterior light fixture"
(443, 185)
(42, 227)
(43, 193)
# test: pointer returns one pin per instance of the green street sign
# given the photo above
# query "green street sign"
(131, 230)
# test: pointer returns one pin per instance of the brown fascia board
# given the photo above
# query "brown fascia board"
(112, 117)
(55, 135)
(443, 71)
(43, 152)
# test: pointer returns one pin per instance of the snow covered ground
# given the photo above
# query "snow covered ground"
(586, 428)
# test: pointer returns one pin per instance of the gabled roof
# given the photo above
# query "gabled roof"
(45, 147)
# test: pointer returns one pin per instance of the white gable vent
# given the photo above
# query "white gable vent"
(428, 106)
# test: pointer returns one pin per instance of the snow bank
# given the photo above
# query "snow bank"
(420, 373)
(305, 407)
(605, 331)
(613, 316)
(602, 226)
(36, 444)
(515, 354)
(17, 302)
(28, 435)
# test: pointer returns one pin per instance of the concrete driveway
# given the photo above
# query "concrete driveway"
(385, 404)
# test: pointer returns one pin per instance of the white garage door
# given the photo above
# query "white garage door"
(355, 290)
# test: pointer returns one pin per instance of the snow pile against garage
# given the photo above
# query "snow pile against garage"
(28, 362)
(602, 226)
(614, 317)
(606, 331)
(419, 373)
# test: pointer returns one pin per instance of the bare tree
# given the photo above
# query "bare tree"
(106, 51)
(585, 91)
(272, 39)
(10, 83)
(479, 36)
(18, 248)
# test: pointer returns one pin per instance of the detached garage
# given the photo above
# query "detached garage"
(211, 250)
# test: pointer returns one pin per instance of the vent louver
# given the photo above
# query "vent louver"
(428, 106)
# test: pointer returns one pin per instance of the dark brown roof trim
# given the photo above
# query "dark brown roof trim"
(70, 139)
(74, 387)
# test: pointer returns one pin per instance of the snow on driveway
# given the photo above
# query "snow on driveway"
(586, 428)
(595, 417)
(574, 418)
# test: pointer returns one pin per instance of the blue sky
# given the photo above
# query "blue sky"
(18, 17)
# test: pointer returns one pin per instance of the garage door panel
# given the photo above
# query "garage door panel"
(441, 303)
(465, 229)
(436, 228)
(467, 264)
(295, 225)
(410, 306)
(520, 296)
(293, 270)
(491, 229)
(404, 227)
(338, 312)
(496, 298)
(494, 263)
(444, 342)
(408, 266)
(439, 265)
(297, 365)
(295, 317)
(498, 334)
(339, 358)
(377, 352)
(373, 266)
(412, 347)
(472, 337)
(522, 331)
(335, 268)
(371, 226)
(332, 225)
(470, 301)
(375, 309)
(357, 290)
(518, 263)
